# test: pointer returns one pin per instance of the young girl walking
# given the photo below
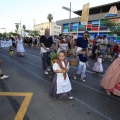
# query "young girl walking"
(98, 65)
(11, 50)
(61, 86)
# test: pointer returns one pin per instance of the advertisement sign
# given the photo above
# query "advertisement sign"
(5, 43)
(85, 14)
(112, 12)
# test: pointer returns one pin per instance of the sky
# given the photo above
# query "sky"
(14, 11)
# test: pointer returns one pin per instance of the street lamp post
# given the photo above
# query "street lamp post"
(68, 9)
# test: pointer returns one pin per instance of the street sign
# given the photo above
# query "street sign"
(68, 9)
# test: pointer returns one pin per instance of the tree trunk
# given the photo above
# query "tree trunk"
(49, 24)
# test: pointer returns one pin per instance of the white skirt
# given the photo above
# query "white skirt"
(20, 48)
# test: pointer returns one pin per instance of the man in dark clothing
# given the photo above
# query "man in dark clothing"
(46, 42)
(82, 42)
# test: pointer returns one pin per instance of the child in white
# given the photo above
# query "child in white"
(83, 61)
(61, 86)
(98, 65)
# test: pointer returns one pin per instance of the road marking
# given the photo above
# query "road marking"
(33, 55)
(23, 108)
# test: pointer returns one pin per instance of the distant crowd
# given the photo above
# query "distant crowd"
(102, 44)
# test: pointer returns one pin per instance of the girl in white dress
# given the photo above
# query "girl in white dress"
(98, 65)
(20, 49)
(61, 86)
(63, 45)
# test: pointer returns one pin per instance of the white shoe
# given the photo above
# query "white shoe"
(75, 76)
(111, 60)
(46, 72)
(82, 79)
(4, 77)
(70, 98)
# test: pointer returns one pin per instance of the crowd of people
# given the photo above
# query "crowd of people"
(61, 86)
(83, 49)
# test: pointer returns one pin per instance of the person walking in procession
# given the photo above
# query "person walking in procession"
(46, 42)
(61, 86)
(111, 79)
(20, 47)
(83, 62)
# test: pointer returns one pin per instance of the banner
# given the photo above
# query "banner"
(5, 43)
(85, 14)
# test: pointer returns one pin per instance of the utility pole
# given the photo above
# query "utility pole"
(68, 9)
(34, 23)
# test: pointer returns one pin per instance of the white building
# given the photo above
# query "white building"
(54, 29)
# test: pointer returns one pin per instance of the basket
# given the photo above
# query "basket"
(67, 54)
(73, 62)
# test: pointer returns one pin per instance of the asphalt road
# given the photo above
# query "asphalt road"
(26, 76)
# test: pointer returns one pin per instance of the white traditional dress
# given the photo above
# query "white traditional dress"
(98, 65)
(62, 44)
(20, 48)
(60, 87)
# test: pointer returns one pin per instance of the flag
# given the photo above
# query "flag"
(85, 14)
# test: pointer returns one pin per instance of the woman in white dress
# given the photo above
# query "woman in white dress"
(61, 86)
(98, 65)
(20, 47)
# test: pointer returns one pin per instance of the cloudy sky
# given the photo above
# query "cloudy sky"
(12, 11)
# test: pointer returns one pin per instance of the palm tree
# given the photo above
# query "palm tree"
(35, 32)
(0, 35)
(50, 18)
(17, 27)
(24, 27)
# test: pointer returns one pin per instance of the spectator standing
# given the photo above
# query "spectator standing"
(103, 46)
(115, 51)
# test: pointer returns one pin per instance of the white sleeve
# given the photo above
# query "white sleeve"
(68, 65)
(99, 60)
(55, 66)
(106, 41)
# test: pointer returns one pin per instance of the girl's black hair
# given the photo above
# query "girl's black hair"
(84, 50)
(62, 52)
(99, 54)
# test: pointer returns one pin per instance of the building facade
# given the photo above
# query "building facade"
(95, 24)
(54, 29)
